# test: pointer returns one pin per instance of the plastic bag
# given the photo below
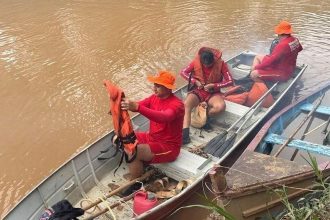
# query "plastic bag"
(199, 115)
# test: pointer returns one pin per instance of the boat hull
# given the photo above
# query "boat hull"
(259, 171)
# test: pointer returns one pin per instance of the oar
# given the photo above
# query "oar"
(325, 130)
(101, 212)
(298, 128)
(222, 147)
(326, 138)
(119, 189)
(303, 136)
(211, 146)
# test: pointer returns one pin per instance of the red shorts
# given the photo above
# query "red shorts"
(203, 95)
(163, 153)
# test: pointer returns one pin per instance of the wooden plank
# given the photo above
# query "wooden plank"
(253, 168)
(299, 144)
(325, 110)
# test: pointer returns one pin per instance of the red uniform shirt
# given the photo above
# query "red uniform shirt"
(166, 119)
(280, 64)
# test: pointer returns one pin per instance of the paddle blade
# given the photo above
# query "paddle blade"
(226, 145)
(213, 144)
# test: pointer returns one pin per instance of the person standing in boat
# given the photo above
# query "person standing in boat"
(165, 111)
(279, 65)
(207, 73)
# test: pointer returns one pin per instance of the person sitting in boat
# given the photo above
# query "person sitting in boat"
(279, 65)
(207, 73)
(165, 111)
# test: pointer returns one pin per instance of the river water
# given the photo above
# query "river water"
(55, 54)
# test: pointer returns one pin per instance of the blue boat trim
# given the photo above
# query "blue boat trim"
(321, 109)
(299, 144)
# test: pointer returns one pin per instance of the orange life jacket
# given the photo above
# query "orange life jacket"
(257, 90)
(248, 98)
(121, 120)
(216, 68)
(233, 95)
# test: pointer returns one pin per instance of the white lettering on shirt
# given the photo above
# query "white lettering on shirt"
(294, 45)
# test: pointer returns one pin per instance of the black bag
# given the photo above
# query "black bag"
(63, 210)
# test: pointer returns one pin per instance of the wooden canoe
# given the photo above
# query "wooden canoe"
(84, 178)
(268, 162)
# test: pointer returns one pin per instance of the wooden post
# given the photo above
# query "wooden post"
(218, 180)
(219, 184)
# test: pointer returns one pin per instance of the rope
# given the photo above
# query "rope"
(314, 129)
(129, 207)
(108, 207)
(90, 202)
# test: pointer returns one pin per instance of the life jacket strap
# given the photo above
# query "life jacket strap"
(133, 156)
(129, 139)
(124, 155)
(119, 142)
(120, 162)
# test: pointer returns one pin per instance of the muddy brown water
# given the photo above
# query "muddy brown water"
(55, 54)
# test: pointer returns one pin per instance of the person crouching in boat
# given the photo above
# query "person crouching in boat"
(207, 73)
(279, 65)
(165, 111)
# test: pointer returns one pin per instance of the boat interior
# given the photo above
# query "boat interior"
(312, 137)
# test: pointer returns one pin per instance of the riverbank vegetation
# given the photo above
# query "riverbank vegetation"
(314, 205)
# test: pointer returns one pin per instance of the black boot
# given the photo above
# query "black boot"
(185, 136)
(207, 127)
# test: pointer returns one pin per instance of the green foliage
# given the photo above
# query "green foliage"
(210, 206)
(213, 206)
(315, 205)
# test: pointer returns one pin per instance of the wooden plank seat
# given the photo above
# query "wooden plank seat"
(299, 144)
(325, 110)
